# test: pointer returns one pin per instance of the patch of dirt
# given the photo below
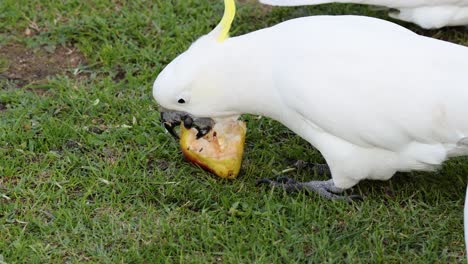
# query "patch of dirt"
(25, 66)
(120, 75)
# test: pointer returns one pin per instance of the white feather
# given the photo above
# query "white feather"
(425, 13)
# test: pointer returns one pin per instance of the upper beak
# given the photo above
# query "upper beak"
(172, 119)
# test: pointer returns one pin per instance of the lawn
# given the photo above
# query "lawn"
(88, 174)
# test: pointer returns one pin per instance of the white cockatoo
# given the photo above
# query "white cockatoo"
(425, 13)
(373, 97)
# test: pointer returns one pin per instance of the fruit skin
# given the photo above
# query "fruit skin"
(224, 165)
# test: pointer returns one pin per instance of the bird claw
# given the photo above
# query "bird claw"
(326, 189)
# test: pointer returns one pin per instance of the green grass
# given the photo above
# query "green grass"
(87, 173)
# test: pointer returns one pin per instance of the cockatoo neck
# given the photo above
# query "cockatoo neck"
(243, 84)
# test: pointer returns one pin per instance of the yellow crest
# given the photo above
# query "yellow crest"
(225, 24)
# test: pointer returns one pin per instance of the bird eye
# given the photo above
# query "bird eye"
(181, 101)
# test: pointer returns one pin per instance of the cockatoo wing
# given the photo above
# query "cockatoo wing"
(374, 84)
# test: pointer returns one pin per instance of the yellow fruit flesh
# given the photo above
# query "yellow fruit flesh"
(220, 151)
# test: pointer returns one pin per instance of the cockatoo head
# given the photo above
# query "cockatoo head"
(186, 89)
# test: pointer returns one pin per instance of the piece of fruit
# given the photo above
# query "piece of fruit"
(220, 151)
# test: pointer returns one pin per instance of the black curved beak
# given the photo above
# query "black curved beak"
(173, 119)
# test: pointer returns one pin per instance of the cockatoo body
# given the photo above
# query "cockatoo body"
(425, 13)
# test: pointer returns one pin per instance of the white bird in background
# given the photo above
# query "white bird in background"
(373, 97)
(425, 13)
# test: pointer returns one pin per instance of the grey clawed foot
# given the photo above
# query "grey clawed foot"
(326, 189)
